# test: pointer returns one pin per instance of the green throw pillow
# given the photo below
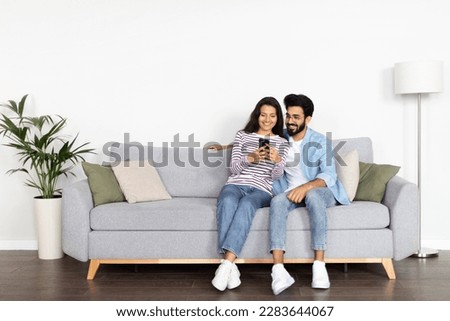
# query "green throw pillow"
(103, 184)
(372, 181)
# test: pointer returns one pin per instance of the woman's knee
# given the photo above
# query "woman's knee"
(228, 194)
(249, 205)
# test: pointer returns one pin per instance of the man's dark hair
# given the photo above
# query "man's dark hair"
(253, 124)
(301, 101)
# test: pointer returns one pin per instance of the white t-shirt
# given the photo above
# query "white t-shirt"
(294, 173)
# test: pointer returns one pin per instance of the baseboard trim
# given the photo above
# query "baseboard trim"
(9, 245)
(437, 244)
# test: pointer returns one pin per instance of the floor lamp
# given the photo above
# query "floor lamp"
(419, 77)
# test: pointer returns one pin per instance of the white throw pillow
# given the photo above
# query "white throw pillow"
(348, 173)
(140, 183)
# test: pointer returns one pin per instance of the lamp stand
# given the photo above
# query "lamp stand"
(422, 252)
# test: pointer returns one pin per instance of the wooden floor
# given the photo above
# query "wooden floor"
(24, 277)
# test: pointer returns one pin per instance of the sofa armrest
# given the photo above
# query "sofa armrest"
(402, 199)
(76, 205)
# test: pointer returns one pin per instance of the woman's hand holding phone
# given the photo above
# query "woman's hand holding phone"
(258, 155)
(264, 152)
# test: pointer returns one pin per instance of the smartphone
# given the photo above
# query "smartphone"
(263, 142)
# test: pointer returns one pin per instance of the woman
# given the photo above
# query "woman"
(254, 166)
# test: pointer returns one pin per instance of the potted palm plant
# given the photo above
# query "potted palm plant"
(45, 155)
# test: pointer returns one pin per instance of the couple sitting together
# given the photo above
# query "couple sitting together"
(283, 169)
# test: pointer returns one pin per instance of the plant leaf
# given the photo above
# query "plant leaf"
(22, 105)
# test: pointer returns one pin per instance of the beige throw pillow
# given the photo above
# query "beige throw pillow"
(348, 173)
(140, 182)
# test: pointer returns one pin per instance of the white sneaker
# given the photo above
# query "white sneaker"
(234, 281)
(320, 278)
(281, 279)
(222, 275)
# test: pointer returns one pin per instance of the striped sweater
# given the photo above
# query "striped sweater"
(262, 174)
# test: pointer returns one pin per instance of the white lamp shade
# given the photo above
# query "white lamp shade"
(418, 77)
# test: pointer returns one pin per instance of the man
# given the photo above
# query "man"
(310, 180)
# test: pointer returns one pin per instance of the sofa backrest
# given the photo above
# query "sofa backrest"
(362, 144)
(200, 172)
(185, 172)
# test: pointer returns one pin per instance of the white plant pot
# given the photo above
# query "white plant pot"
(48, 220)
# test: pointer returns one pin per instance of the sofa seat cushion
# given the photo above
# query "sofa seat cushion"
(179, 213)
(356, 216)
(199, 214)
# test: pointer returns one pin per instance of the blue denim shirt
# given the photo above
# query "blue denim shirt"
(317, 162)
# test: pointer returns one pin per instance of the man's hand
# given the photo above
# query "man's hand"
(297, 195)
(218, 147)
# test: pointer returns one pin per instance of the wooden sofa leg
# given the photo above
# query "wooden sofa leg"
(93, 267)
(389, 267)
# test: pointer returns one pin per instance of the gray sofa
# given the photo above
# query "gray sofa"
(183, 229)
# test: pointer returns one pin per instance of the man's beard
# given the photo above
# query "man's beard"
(295, 130)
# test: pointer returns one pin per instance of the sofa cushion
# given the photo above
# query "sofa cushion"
(372, 181)
(140, 182)
(348, 173)
(179, 213)
(181, 168)
(103, 184)
(199, 214)
(357, 215)
(363, 145)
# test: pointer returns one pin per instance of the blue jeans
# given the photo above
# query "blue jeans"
(316, 201)
(236, 207)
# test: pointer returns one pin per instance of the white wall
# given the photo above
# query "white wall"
(158, 68)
